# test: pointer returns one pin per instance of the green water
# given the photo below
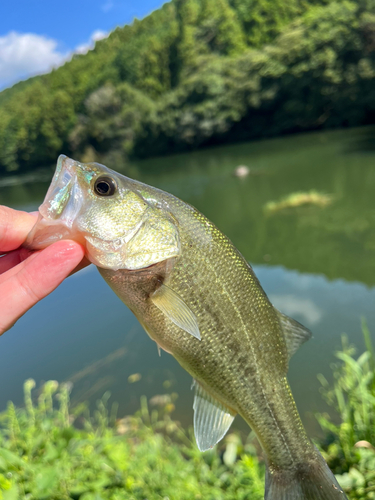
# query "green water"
(316, 264)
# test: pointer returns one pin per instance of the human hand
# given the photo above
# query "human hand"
(27, 276)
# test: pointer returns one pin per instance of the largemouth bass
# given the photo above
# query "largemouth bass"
(199, 300)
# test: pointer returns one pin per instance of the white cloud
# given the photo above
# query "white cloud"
(27, 54)
(296, 307)
(95, 37)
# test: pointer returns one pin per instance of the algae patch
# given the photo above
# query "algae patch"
(298, 199)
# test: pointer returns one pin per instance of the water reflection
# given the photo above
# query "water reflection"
(316, 265)
(329, 309)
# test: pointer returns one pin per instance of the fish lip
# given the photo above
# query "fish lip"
(48, 231)
(59, 209)
(59, 191)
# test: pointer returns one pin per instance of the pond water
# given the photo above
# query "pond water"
(316, 264)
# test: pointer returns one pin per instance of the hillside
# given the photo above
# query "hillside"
(198, 72)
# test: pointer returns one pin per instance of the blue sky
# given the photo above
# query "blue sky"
(36, 35)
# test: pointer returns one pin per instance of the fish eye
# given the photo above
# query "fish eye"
(105, 186)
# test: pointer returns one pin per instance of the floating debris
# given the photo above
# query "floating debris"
(136, 377)
(295, 200)
(241, 171)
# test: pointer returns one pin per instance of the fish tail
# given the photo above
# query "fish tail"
(312, 481)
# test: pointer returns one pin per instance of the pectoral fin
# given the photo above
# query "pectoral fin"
(211, 418)
(295, 333)
(172, 305)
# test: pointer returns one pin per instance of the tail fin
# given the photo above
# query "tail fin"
(314, 481)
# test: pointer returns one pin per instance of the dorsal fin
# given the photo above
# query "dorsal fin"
(295, 333)
(172, 305)
(211, 418)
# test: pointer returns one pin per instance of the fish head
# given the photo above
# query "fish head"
(107, 213)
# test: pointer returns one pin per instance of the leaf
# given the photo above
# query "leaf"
(12, 494)
(12, 459)
(47, 480)
(350, 362)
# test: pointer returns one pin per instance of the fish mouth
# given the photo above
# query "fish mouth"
(59, 210)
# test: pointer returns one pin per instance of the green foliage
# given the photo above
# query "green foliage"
(42, 455)
(315, 75)
(144, 59)
(198, 72)
(350, 450)
(48, 450)
(264, 19)
(110, 122)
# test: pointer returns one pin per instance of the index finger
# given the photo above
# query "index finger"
(14, 228)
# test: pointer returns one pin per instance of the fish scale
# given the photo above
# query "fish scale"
(199, 300)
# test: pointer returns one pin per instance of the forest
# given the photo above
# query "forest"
(196, 73)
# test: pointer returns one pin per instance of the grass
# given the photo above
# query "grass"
(349, 447)
(50, 451)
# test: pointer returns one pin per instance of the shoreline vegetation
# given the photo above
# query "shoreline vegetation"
(197, 73)
(50, 450)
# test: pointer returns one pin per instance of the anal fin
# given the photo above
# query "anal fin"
(212, 419)
(172, 305)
